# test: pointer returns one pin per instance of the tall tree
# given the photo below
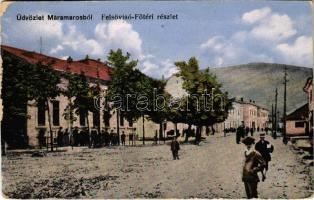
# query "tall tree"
(83, 101)
(205, 103)
(70, 90)
(45, 86)
(124, 81)
(15, 93)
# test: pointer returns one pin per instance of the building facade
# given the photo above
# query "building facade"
(37, 121)
(253, 116)
(308, 88)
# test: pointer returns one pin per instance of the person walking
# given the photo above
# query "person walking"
(111, 136)
(240, 132)
(252, 131)
(253, 163)
(175, 147)
(265, 149)
(247, 130)
(60, 137)
(123, 138)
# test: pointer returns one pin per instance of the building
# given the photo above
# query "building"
(253, 116)
(308, 88)
(300, 121)
(37, 122)
(296, 123)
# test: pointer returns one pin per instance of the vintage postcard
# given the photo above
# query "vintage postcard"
(157, 99)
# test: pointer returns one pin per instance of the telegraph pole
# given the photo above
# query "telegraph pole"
(275, 125)
(272, 119)
(41, 45)
(284, 139)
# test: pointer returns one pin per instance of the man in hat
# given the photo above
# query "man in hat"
(240, 132)
(175, 147)
(264, 148)
(253, 163)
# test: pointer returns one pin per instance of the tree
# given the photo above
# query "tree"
(159, 111)
(70, 91)
(205, 103)
(83, 101)
(15, 93)
(45, 87)
(124, 81)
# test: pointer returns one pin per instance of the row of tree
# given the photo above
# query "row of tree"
(23, 82)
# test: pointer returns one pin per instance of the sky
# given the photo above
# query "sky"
(218, 33)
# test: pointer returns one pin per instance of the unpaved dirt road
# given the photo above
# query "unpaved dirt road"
(211, 170)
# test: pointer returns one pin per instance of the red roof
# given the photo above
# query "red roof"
(88, 67)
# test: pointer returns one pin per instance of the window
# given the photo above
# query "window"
(299, 124)
(82, 118)
(41, 113)
(55, 113)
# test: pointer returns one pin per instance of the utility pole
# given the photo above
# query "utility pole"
(143, 129)
(41, 45)
(272, 119)
(275, 125)
(284, 139)
(118, 125)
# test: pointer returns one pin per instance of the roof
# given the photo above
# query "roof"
(91, 68)
(299, 114)
(250, 103)
(308, 83)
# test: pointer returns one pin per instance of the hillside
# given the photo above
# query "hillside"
(258, 81)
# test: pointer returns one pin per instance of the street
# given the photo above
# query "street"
(210, 170)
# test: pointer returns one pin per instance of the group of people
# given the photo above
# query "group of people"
(256, 160)
(243, 131)
(93, 139)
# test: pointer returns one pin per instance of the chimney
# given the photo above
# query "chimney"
(242, 99)
(250, 100)
(253, 101)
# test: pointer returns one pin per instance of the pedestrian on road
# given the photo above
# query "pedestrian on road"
(123, 138)
(265, 149)
(240, 132)
(252, 131)
(175, 147)
(247, 130)
(213, 131)
(253, 163)
(60, 137)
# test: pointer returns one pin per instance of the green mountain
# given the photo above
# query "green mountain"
(258, 81)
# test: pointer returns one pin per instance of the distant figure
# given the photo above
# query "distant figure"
(266, 130)
(247, 130)
(252, 131)
(106, 138)
(175, 147)
(213, 131)
(71, 140)
(59, 137)
(240, 132)
(75, 136)
(264, 148)
(156, 137)
(123, 138)
(253, 163)
(66, 138)
(41, 138)
(94, 138)
(225, 132)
